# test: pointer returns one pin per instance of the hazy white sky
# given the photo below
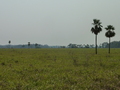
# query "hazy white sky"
(56, 22)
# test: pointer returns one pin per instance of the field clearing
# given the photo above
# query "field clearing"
(59, 69)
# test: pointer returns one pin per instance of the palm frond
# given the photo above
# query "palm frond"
(100, 25)
(113, 34)
(92, 29)
(96, 21)
(113, 28)
(110, 27)
(106, 28)
(110, 34)
(96, 27)
(99, 29)
(107, 34)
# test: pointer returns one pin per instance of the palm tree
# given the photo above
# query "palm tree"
(28, 44)
(96, 29)
(9, 42)
(110, 33)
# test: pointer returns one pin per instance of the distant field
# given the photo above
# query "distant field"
(59, 69)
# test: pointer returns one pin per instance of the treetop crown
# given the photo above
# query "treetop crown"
(109, 27)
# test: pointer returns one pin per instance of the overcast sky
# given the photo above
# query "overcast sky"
(56, 22)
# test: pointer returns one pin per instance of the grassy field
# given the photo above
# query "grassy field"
(59, 69)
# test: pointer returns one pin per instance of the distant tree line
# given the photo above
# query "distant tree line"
(29, 45)
(113, 44)
(80, 46)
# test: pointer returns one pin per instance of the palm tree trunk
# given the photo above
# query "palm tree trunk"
(109, 45)
(96, 43)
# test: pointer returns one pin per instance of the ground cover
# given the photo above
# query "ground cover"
(59, 69)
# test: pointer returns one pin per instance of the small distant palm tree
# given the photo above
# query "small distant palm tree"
(110, 33)
(96, 29)
(9, 42)
(28, 44)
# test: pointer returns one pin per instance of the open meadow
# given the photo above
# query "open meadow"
(59, 69)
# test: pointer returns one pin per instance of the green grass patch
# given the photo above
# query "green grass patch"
(59, 69)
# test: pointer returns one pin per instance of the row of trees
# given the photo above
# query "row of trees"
(113, 44)
(80, 46)
(28, 43)
(97, 28)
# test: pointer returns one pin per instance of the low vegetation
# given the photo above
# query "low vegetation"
(59, 69)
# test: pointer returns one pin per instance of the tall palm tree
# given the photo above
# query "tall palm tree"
(96, 29)
(110, 33)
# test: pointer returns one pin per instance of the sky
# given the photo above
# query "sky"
(56, 22)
